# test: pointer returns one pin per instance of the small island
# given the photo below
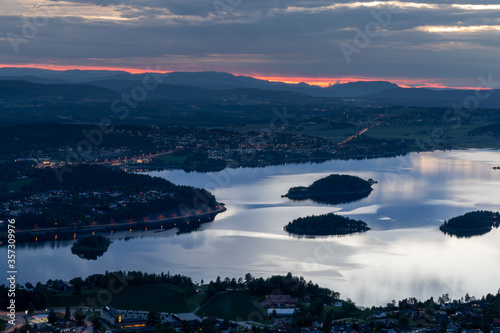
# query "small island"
(325, 225)
(90, 247)
(333, 189)
(471, 224)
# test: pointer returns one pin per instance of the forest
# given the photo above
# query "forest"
(471, 224)
(325, 225)
(333, 185)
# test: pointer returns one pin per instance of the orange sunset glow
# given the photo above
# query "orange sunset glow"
(318, 81)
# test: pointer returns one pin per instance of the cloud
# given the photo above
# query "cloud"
(429, 40)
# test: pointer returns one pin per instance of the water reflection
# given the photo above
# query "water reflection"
(335, 199)
(404, 255)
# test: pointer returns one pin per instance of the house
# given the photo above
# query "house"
(68, 326)
(379, 314)
(452, 328)
(131, 323)
(280, 301)
(191, 318)
(281, 312)
(111, 315)
(63, 285)
(41, 330)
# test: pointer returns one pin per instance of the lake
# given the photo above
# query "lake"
(404, 255)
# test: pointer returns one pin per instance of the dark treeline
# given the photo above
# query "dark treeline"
(276, 284)
(39, 297)
(49, 137)
(10, 171)
(492, 129)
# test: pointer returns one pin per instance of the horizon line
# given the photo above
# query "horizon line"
(322, 82)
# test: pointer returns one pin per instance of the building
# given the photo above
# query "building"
(111, 315)
(131, 323)
(281, 312)
(281, 301)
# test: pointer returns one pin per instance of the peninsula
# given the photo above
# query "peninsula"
(333, 189)
(97, 198)
(471, 224)
(325, 225)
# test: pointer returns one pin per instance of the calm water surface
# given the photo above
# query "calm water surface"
(404, 255)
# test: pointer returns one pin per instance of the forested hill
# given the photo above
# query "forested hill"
(333, 185)
(90, 194)
(471, 224)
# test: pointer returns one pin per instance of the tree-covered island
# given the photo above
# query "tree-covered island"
(90, 247)
(333, 189)
(471, 224)
(325, 225)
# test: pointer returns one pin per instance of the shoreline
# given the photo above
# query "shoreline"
(35, 235)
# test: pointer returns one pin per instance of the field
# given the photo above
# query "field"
(234, 306)
(155, 297)
(15, 185)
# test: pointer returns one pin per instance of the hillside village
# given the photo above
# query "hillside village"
(304, 310)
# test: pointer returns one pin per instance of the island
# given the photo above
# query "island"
(471, 224)
(325, 225)
(333, 189)
(90, 247)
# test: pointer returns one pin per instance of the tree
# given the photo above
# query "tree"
(79, 317)
(404, 320)
(96, 324)
(327, 323)
(52, 318)
(153, 318)
(186, 327)
(67, 314)
(31, 308)
(317, 308)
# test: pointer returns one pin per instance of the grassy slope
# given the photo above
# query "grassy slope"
(234, 306)
(158, 297)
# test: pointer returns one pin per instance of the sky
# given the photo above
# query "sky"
(422, 43)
